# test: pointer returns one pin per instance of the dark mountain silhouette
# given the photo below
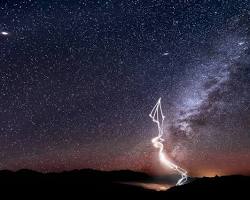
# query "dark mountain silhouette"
(90, 182)
(225, 184)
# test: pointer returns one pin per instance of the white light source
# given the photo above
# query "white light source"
(4, 33)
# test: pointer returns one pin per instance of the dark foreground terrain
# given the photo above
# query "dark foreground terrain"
(86, 183)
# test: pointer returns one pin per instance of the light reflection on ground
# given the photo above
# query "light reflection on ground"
(151, 186)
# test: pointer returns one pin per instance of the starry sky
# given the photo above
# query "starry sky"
(78, 80)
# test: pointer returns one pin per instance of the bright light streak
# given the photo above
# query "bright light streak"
(157, 116)
(4, 33)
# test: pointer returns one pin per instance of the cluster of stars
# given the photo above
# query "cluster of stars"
(78, 79)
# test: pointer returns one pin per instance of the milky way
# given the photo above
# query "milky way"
(78, 79)
(214, 113)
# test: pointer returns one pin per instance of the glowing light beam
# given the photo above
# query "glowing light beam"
(157, 116)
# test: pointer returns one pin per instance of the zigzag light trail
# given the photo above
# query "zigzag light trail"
(157, 116)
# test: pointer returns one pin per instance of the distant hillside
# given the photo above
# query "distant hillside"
(85, 182)
(225, 184)
(92, 182)
(85, 176)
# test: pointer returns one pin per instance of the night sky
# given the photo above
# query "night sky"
(78, 80)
